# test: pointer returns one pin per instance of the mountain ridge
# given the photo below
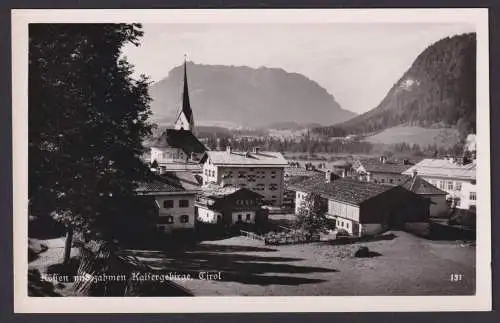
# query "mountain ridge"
(261, 96)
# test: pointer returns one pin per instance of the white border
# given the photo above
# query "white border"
(24, 304)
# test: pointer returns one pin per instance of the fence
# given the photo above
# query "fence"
(251, 235)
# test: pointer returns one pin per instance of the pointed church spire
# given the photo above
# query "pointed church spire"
(185, 120)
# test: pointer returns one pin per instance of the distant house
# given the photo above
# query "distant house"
(381, 170)
(342, 168)
(259, 171)
(289, 197)
(438, 204)
(228, 205)
(363, 208)
(174, 196)
(459, 181)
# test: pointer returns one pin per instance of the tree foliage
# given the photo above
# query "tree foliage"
(311, 215)
(87, 119)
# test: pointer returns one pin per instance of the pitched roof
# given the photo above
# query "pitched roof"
(420, 186)
(341, 163)
(443, 168)
(298, 171)
(376, 166)
(216, 191)
(343, 190)
(170, 182)
(182, 139)
(233, 158)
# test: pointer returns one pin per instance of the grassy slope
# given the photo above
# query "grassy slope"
(442, 137)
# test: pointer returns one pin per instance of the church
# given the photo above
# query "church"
(178, 149)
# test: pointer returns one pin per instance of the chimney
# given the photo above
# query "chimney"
(414, 174)
(328, 176)
(228, 149)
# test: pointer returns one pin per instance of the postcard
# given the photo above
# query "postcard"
(251, 160)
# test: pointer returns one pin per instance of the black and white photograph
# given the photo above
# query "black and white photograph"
(171, 157)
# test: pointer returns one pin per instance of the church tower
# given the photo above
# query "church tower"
(185, 120)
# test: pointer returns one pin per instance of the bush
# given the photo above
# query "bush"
(362, 252)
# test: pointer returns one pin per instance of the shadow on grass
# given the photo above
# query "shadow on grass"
(241, 268)
(444, 232)
(370, 254)
(352, 240)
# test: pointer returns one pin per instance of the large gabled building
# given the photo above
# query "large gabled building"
(259, 171)
(459, 181)
(363, 208)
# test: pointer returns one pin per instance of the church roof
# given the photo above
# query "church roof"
(181, 139)
(186, 105)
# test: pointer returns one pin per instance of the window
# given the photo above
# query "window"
(168, 219)
(274, 196)
(382, 180)
(248, 217)
(391, 181)
(450, 185)
(458, 186)
(347, 225)
(168, 204)
(184, 218)
(441, 185)
(239, 217)
(183, 203)
(472, 196)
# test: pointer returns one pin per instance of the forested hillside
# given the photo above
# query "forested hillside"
(439, 90)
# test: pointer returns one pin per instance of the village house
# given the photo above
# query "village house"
(178, 149)
(173, 196)
(295, 174)
(381, 170)
(261, 172)
(363, 208)
(458, 181)
(229, 206)
(437, 197)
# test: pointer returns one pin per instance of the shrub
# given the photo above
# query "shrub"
(362, 252)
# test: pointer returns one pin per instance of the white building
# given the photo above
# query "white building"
(228, 205)
(261, 172)
(174, 198)
(459, 181)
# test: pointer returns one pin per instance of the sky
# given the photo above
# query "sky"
(356, 63)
